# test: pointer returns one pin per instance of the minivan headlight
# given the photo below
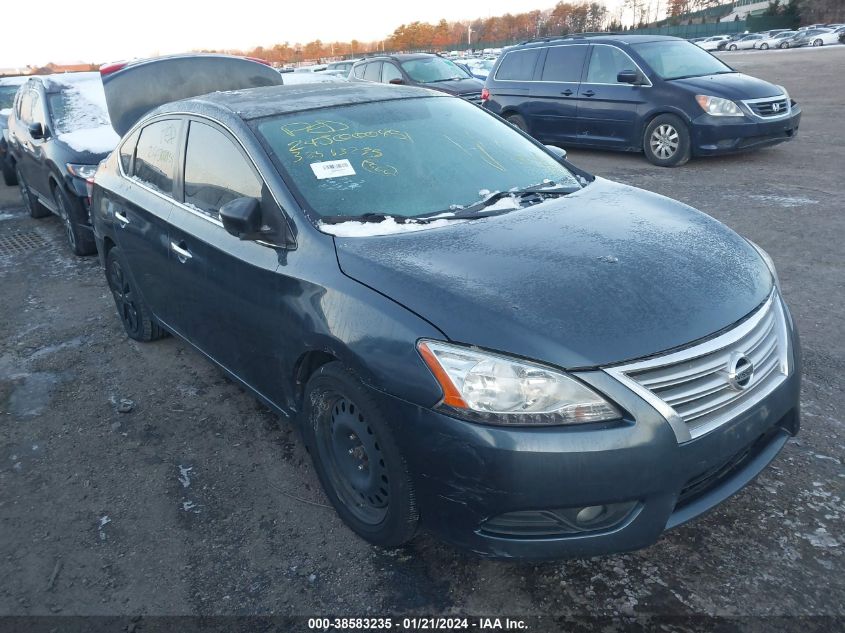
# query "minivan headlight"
(770, 264)
(498, 389)
(717, 106)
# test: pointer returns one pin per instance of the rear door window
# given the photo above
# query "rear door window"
(564, 63)
(216, 171)
(358, 71)
(518, 65)
(373, 72)
(155, 158)
(389, 72)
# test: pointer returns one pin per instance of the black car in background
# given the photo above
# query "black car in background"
(8, 87)
(472, 334)
(419, 69)
(663, 96)
(59, 131)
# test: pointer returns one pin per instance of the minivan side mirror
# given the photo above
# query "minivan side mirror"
(557, 151)
(36, 130)
(628, 77)
(242, 218)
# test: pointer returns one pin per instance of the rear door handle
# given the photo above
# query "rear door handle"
(121, 218)
(589, 93)
(181, 250)
(566, 92)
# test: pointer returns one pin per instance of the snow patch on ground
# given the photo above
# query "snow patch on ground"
(787, 202)
(388, 226)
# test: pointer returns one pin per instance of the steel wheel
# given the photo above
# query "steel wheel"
(664, 141)
(64, 214)
(123, 297)
(354, 461)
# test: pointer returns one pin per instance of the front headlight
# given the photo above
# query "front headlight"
(717, 106)
(770, 264)
(86, 172)
(500, 390)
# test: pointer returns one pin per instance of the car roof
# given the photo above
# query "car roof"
(400, 57)
(615, 38)
(255, 103)
(62, 81)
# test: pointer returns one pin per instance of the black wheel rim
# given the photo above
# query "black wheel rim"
(123, 297)
(353, 459)
(65, 215)
(27, 203)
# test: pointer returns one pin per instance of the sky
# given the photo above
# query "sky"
(100, 31)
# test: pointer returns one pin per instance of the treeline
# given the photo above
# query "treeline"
(565, 17)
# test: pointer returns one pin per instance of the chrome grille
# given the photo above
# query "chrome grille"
(695, 387)
(770, 107)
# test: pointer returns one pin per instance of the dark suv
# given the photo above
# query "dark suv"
(59, 131)
(419, 69)
(660, 95)
(8, 87)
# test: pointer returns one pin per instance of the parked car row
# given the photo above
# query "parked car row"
(472, 334)
(776, 38)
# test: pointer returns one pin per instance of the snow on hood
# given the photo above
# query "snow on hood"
(388, 226)
(82, 121)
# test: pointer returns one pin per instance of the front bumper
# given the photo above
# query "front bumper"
(716, 135)
(466, 473)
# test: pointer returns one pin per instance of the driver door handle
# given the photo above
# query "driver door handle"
(181, 250)
(121, 218)
(566, 92)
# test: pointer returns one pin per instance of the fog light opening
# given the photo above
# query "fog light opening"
(589, 514)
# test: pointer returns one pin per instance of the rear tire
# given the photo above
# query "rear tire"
(360, 466)
(30, 202)
(518, 121)
(72, 214)
(666, 141)
(764, 47)
(9, 176)
(136, 316)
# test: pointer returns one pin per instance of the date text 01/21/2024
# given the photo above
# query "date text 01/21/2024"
(419, 623)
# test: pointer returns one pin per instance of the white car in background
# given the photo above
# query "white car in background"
(712, 43)
(744, 43)
(824, 37)
(775, 41)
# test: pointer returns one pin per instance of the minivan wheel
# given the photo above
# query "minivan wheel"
(360, 467)
(666, 141)
(517, 121)
(137, 319)
(30, 202)
(71, 213)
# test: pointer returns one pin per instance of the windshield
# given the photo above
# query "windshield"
(7, 96)
(77, 106)
(405, 157)
(429, 70)
(679, 59)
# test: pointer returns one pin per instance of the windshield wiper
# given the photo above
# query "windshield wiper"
(481, 208)
(437, 81)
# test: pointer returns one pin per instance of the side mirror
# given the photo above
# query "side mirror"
(396, 81)
(628, 77)
(36, 130)
(242, 218)
(557, 151)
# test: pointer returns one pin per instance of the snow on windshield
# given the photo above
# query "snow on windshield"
(388, 226)
(80, 114)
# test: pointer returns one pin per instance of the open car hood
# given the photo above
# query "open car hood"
(134, 89)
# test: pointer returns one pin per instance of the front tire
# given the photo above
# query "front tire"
(732, 47)
(71, 213)
(360, 466)
(784, 45)
(134, 314)
(666, 141)
(817, 42)
(764, 47)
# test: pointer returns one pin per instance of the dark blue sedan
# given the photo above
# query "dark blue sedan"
(473, 335)
(663, 96)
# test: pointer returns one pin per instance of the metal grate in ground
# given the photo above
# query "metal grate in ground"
(20, 241)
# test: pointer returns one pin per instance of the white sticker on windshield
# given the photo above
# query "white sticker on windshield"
(332, 169)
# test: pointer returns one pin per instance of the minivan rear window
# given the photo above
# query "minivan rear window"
(518, 65)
